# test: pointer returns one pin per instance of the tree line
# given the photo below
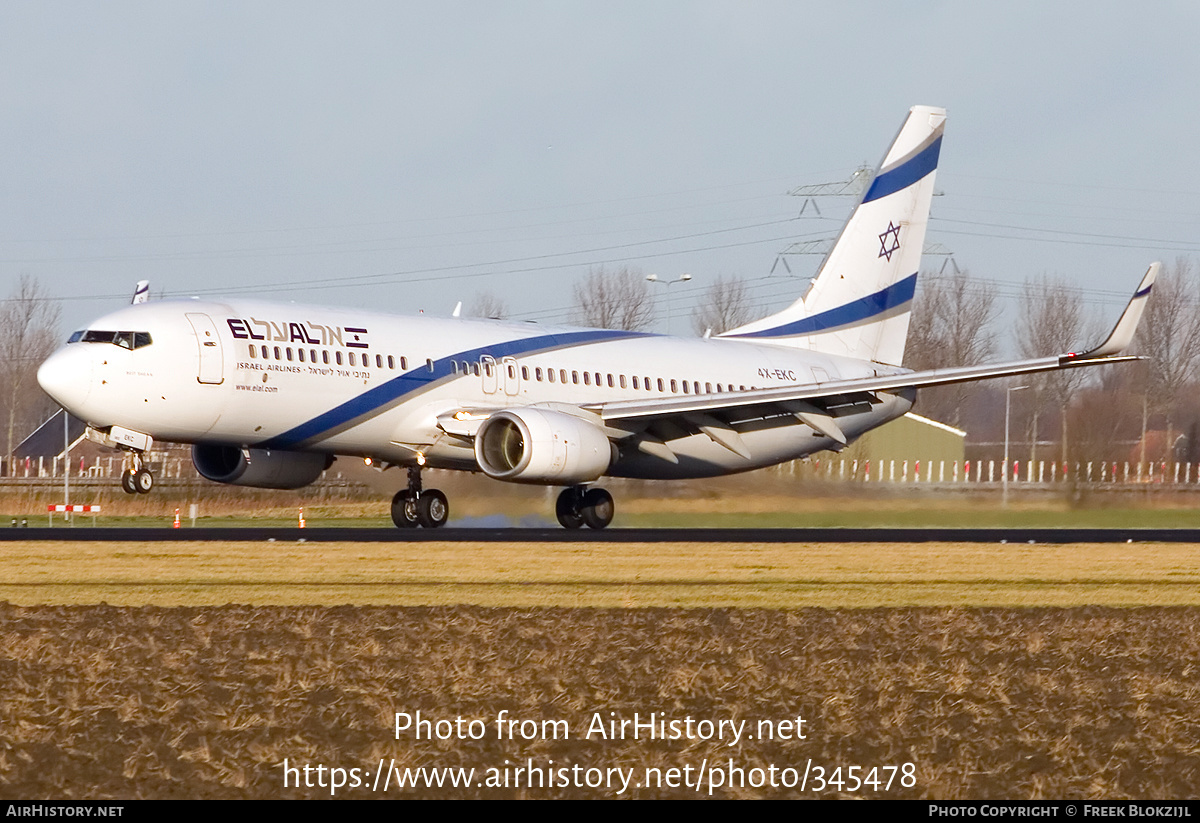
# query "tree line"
(621, 298)
(1074, 414)
(29, 332)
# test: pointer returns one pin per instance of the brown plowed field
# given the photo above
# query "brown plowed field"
(126, 702)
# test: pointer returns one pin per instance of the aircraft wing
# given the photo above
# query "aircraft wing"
(818, 404)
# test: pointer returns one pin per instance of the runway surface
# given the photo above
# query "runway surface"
(497, 535)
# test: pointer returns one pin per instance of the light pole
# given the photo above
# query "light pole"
(683, 278)
(1004, 474)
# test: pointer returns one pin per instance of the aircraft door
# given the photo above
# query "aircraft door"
(488, 373)
(512, 376)
(212, 359)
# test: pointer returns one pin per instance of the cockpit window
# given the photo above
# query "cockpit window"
(124, 339)
(94, 336)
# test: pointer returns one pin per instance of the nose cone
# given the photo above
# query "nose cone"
(67, 377)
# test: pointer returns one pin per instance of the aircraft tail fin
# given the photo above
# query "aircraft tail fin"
(860, 302)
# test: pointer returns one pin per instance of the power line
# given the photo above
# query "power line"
(1058, 232)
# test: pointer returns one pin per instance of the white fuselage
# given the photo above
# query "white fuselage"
(292, 377)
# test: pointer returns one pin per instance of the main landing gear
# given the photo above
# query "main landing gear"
(579, 505)
(414, 507)
(135, 476)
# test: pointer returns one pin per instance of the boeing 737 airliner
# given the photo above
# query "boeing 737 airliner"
(269, 394)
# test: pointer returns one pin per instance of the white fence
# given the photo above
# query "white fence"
(1040, 472)
(101, 467)
(1043, 472)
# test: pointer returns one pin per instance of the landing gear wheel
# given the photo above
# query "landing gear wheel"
(597, 509)
(432, 509)
(404, 510)
(143, 481)
(127, 483)
(567, 509)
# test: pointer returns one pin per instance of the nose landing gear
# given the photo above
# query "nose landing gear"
(135, 476)
(414, 507)
(134, 446)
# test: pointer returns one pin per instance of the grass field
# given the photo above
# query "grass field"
(720, 504)
(600, 574)
(674, 515)
(110, 702)
(996, 671)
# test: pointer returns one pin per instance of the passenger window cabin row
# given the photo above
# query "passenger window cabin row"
(288, 354)
(575, 377)
(537, 374)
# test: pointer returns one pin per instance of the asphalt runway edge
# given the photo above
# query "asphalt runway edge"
(452, 535)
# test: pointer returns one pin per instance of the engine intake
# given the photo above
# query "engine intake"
(261, 468)
(542, 446)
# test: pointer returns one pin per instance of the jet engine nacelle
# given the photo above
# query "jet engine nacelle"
(542, 446)
(262, 468)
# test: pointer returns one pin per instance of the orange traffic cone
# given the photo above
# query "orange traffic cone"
(176, 526)
(302, 517)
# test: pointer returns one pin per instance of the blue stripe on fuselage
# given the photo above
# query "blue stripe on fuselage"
(857, 311)
(906, 173)
(379, 399)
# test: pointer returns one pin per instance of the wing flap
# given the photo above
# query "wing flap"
(651, 445)
(720, 432)
(816, 419)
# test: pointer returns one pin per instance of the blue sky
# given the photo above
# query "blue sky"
(407, 156)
